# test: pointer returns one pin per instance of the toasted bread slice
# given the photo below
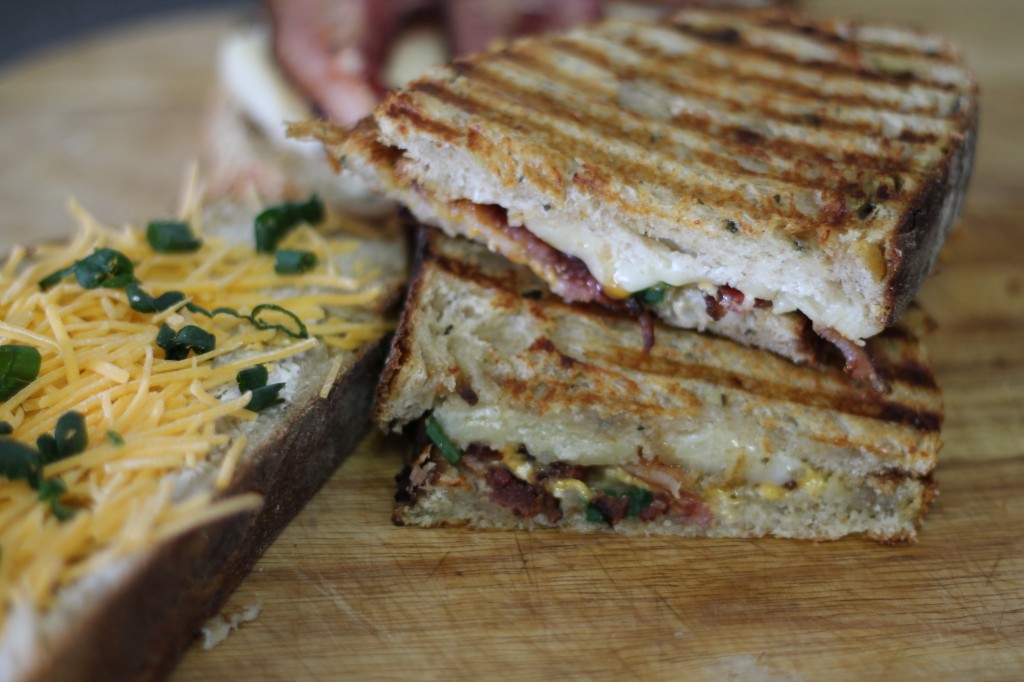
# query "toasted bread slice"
(814, 164)
(168, 516)
(559, 415)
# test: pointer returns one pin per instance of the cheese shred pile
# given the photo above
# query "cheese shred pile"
(150, 420)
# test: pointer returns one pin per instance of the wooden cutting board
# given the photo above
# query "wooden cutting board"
(343, 593)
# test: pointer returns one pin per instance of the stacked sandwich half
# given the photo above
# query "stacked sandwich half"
(711, 228)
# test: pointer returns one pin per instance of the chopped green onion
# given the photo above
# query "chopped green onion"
(252, 378)
(440, 439)
(139, 300)
(54, 278)
(653, 295)
(19, 462)
(168, 299)
(71, 434)
(300, 332)
(46, 444)
(176, 345)
(594, 514)
(254, 316)
(105, 268)
(639, 499)
(265, 396)
(115, 438)
(171, 236)
(142, 302)
(70, 438)
(19, 367)
(274, 223)
(50, 491)
(293, 262)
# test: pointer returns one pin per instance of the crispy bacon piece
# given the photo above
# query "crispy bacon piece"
(859, 363)
(525, 499)
(726, 299)
(688, 508)
(612, 507)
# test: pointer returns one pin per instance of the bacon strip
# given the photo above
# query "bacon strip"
(859, 363)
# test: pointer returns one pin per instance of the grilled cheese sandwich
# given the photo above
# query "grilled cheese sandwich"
(537, 413)
(813, 166)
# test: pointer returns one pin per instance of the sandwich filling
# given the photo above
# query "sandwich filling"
(524, 397)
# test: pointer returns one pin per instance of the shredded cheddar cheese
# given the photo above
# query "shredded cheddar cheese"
(165, 417)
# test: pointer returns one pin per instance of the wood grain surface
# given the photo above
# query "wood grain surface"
(344, 594)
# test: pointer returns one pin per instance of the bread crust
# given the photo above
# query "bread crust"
(913, 248)
(141, 630)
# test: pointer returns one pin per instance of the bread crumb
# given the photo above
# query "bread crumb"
(217, 629)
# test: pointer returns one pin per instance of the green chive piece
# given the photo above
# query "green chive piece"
(54, 278)
(274, 223)
(200, 310)
(19, 366)
(139, 300)
(176, 345)
(6, 429)
(638, 499)
(171, 236)
(594, 515)
(300, 333)
(251, 378)
(254, 379)
(264, 397)
(293, 262)
(142, 302)
(168, 299)
(653, 295)
(50, 492)
(440, 439)
(71, 434)
(105, 268)
(115, 438)
(46, 444)
(19, 462)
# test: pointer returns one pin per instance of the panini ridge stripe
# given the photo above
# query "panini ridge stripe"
(706, 187)
(703, 90)
(832, 398)
(824, 31)
(738, 45)
(755, 69)
(739, 138)
(571, 145)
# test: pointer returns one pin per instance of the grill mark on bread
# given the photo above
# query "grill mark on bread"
(698, 87)
(827, 68)
(825, 31)
(703, 185)
(836, 397)
(739, 138)
(859, 403)
(699, 63)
